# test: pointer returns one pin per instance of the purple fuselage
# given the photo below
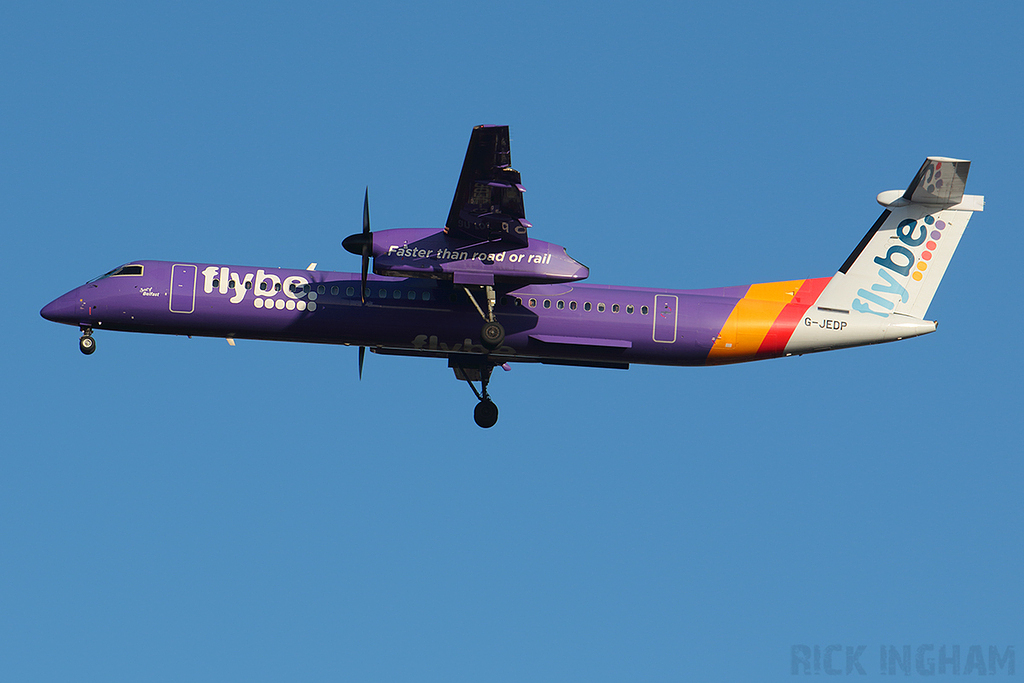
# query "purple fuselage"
(574, 323)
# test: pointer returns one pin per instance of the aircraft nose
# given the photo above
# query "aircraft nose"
(63, 309)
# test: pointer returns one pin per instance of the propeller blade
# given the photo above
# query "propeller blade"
(366, 211)
(367, 243)
(362, 355)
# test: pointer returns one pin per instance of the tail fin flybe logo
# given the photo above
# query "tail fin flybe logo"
(900, 261)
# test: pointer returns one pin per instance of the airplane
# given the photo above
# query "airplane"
(482, 293)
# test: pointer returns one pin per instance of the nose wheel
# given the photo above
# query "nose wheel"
(86, 344)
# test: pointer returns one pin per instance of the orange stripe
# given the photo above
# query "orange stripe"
(778, 336)
(751, 319)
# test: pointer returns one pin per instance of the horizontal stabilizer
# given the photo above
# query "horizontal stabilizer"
(940, 181)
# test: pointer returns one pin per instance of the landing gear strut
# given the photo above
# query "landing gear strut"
(86, 344)
(492, 334)
(486, 413)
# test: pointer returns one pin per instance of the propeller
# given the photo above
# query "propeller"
(361, 244)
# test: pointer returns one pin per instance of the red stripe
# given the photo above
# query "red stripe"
(782, 329)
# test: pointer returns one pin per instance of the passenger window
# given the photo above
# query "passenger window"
(572, 305)
(533, 303)
(351, 291)
(643, 310)
(560, 304)
(396, 294)
(547, 303)
(412, 294)
(231, 284)
(277, 286)
(426, 296)
(321, 290)
(382, 293)
(629, 308)
(586, 306)
(600, 308)
(263, 286)
(248, 284)
(216, 283)
(615, 308)
(334, 291)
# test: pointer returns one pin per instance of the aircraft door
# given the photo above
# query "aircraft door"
(183, 288)
(666, 318)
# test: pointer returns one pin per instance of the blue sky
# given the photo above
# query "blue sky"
(175, 509)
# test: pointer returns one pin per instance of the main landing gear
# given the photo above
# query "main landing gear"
(492, 334)
(486, 413)
(86, 344)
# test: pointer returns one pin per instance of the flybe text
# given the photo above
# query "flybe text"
(895, 268)
(222, 280)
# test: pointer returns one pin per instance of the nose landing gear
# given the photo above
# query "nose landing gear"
(86, 344)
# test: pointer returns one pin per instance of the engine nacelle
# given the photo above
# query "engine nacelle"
(422, 252)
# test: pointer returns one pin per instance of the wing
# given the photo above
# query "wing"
(488, 204)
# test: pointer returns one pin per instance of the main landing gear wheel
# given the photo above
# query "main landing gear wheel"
(485, 413)
(87, 344)
(492, 334)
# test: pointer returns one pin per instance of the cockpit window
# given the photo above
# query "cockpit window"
(120, 271)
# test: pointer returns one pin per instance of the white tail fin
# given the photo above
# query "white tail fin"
(897, 267)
